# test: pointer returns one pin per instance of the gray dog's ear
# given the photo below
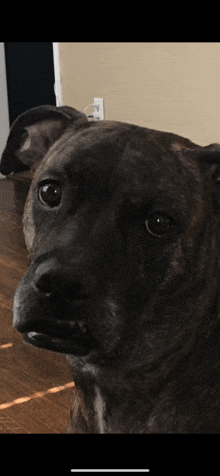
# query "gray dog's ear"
(34, 132)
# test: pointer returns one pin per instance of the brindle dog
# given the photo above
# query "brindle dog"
(122, 227)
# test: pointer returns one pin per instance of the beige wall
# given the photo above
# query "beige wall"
(166, 86)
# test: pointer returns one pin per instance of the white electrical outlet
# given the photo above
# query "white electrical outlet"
(98, 106)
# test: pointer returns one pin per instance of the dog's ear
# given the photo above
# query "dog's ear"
(208, 159)
(34, 132)
(209, 154)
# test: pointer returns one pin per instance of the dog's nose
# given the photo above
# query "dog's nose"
(52, 277)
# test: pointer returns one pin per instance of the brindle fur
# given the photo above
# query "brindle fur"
(151, 303)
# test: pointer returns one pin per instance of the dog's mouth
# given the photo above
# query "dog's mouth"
(70, 338)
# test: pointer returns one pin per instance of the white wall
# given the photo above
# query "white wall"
(4, 115)
(57, 85)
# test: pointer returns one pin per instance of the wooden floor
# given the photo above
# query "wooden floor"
(35, 385)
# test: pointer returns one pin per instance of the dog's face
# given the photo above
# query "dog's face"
(118, 222)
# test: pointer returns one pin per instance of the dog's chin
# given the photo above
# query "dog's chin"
(78, 341)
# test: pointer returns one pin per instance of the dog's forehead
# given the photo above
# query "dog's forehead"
(136, 156)
(99, 144)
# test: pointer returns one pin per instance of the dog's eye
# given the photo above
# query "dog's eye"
(159, 224)
(50, 194)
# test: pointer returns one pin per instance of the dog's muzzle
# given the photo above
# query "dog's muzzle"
(52, 312)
